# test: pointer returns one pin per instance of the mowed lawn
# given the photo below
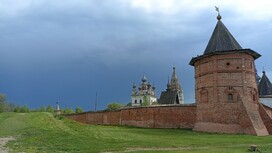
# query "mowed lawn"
(42, 132)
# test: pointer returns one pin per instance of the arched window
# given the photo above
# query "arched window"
(140, 101)
(135, 101)
(230, 97)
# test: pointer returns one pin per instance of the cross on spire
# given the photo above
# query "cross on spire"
(217, 10)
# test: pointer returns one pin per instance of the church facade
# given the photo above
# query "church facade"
(145, 95)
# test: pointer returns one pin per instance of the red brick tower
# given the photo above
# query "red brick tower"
(225, 86)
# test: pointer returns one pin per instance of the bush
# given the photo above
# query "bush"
(49, 109)
(68, 111)
(114, 106)
(79, 110)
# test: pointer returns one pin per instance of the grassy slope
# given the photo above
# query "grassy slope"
(41, 132)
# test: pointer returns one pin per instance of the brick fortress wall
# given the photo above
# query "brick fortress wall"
(178, 116)
(226, 95)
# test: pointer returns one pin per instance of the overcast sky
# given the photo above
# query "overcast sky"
(67, 50)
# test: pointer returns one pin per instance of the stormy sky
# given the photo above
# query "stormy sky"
(67, 50)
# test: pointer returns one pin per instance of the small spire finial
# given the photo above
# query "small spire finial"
(263, 70)
(219, 17)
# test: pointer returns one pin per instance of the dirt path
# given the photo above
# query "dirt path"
(131, 150)
(157, 149)
(3, 141)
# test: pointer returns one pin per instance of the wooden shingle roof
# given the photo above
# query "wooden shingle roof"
(265, 86)
(221, 40)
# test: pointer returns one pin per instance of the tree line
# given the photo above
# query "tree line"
(10, 107)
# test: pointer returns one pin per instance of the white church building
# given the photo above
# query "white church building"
(145, 95)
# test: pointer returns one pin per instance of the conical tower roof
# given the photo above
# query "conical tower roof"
(265, 86)
(221, 39)
(174, 83)
(222, 42)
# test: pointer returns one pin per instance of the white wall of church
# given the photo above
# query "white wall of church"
(138, 100)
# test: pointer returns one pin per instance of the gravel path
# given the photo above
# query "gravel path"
(3, 141)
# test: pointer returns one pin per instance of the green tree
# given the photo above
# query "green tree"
(49, 109)
(17, 109)
(9, 107)
(68, 111)
(42, 109)
(114, 106)
(25, 109)
(145, 102)
(79, 110)
(2, 98)
(2, 102)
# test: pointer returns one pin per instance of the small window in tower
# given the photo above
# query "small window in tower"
(254, 97)
(230, 97)
(228, 63)
(135, 101)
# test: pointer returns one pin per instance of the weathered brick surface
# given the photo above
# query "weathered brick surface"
(82, 117)
(268, 110)
(226, 95)
(265, 114)
(160, 117)
(150, 117)
(213, 127)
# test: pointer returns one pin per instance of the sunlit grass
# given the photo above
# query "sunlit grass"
(42, 132)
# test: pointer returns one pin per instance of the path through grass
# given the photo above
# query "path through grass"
(42, 132)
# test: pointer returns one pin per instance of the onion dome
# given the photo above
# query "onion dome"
(144, 79)
(153, 87)
(148, 85)
(134, 85)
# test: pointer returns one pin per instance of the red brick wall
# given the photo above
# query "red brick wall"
(102, 118)
(82, 117)
(268, 110)
(150, 117)
(265, 114)
(218, 76)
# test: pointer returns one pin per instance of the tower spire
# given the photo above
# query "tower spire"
(221, 39)
(219, 17)
(174, 83)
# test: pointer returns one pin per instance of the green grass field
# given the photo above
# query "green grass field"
(42, 132)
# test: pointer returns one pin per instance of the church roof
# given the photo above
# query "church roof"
(267, 102)
(174, 83)
(221, 40)
(169, 97)
(265, 86)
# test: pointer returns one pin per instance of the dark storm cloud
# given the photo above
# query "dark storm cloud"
(67, 51)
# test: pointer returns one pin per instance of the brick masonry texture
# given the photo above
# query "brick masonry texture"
(227, 97)
(150, 117)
